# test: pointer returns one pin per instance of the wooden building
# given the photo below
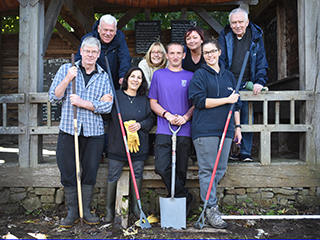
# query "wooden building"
(291, 39)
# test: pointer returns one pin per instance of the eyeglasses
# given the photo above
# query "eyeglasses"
(94, 52)
(159, 53)
(210, 52)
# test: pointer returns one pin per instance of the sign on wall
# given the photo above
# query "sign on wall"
(179, 27)
(146, 33)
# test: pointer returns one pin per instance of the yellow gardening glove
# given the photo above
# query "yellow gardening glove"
(133, 137)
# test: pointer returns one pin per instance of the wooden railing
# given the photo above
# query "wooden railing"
(265, 128)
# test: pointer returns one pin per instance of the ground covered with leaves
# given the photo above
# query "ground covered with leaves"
(45, 224)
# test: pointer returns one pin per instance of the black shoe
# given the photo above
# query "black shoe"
(234, 157)
(190, 201)
(246, 158)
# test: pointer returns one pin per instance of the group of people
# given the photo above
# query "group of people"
(170, 87)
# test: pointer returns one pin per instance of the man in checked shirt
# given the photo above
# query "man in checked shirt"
(92, 82)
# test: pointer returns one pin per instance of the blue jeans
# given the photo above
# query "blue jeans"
(247, 137)
(207, 150)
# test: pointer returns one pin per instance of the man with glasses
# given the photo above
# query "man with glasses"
(235, 40)
(92, 82)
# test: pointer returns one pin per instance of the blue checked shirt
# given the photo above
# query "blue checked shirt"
(90, 122)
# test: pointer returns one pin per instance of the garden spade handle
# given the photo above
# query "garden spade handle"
(76, 146)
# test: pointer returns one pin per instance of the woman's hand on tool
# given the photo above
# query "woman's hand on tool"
(233, 98)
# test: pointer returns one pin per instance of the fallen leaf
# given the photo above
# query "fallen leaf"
(38, 235)
(130, 231)
(151, 219)
(9, 236)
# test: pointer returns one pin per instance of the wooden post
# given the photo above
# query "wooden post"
(309, 62)
(283, 137)
(31, 32)
(122, 205)
(0, 69)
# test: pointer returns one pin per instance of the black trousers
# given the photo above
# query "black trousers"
(90, 152)
(163, 162)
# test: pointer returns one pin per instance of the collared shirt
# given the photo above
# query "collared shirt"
(85, 75)
(90, 122)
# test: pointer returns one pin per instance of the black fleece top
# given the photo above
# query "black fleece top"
(138, 110)
(207, 83)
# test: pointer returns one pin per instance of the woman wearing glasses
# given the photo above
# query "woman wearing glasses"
(153, 60)
(212, 91)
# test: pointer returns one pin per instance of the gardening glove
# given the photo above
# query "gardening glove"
(133, 137)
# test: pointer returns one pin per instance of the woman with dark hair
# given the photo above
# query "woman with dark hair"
(193, 38)
(212, 91)
(138, 120)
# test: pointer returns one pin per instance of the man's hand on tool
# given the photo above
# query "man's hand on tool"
(72, 73)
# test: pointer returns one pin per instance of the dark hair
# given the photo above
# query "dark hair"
(144, 85)
(211, 40)
(190, 30)
(174, 43)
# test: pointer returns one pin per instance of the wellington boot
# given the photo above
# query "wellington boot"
(88, 217)
(110, 200)
(72, 205)
(133, 199)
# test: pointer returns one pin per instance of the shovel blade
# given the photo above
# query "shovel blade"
(173, 213)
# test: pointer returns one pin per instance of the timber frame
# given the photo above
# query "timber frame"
(36, 26)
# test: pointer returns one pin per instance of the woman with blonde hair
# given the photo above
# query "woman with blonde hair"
(153, 60)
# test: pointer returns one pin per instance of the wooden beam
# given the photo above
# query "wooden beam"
(208, 18)
(51, 18)
(147, 14)
(259, 9)
(281, 41)
(31, 33)
(78, 29)
(67, 35)
(89, 15)
(184, 13)
(127, 17)
(83, 21)
(252, 175)
(309, 62)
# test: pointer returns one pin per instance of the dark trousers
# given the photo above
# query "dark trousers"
(115, 169)
(163, 162)
(90, 152)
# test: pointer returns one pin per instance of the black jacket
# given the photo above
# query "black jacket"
(138, 110)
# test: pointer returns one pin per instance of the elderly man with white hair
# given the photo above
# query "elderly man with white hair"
(235, 40)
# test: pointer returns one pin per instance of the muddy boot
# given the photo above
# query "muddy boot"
(88, 218)
(133, 199)
(72, 205)
(213, 216)
(110, 200)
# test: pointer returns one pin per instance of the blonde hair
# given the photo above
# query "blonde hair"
(147, 57)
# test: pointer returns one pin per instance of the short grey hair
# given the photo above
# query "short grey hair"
(237, 10)
(108, 19)
(91, 42)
